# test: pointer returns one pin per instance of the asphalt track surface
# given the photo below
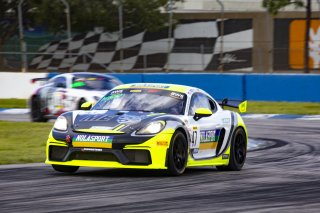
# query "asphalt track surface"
(284, 177)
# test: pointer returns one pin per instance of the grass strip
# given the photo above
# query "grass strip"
(13, 103)
(298, 108)
(23, 142)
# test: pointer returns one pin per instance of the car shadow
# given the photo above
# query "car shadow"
(132, 173)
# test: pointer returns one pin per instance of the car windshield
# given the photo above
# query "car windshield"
(93, 82)
(141, 99)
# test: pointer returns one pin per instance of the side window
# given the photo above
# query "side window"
(212, 105)
(198, 100)
(60, 82)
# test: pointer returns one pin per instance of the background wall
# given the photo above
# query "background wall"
(18, 85)
(258, 87)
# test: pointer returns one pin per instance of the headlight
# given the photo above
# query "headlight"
(61, 123)
(152, 128)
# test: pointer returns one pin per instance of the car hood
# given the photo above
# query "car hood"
(111, 120)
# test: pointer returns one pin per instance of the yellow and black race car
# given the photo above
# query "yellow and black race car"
(150, 126)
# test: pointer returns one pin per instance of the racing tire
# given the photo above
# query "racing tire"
(238, 152)
(82, 101)
(65, 169)
(177, 154)
(35, 111)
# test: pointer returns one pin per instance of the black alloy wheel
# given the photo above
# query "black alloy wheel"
(240, 149)
(238, 152)
(178, 154)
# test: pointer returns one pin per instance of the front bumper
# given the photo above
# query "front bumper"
(150, 154)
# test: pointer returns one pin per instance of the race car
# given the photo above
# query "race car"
(150, 126)
(66, 92)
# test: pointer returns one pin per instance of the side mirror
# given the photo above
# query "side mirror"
(86, 106)
(202, 112)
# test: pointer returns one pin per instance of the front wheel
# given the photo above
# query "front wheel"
(35, 111)
(178, 154)
(238, 152)
(66, 169)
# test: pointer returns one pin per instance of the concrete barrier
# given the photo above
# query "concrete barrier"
(18, 85)
(279, 87)
(258, 87)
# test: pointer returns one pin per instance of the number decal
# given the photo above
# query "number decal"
(195, 137)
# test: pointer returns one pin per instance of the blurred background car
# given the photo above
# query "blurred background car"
(65, 92)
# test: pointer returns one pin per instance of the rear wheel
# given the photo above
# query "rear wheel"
(66, 169)
(238, 152)
(35, 111)
(178, 154)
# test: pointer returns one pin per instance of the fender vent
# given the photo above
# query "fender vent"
(220, 141)
(57, 153)
(141, 157)
(93, 156)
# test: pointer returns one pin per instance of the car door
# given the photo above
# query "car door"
(205, 132)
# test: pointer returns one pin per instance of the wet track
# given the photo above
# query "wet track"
(282, 178)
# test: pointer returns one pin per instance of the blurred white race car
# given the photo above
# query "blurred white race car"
(66, 92)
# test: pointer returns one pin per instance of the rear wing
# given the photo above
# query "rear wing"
(34, 80)
(241, 105)
(49, 75)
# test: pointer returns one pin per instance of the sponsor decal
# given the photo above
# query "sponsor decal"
(208, 145)
(135, 90)
(176, 95)
(225, 156)
(162, 143)
(92, 138)
(151, 85)
(208, 136)
(226, 120)
(97, 117)
(116, 91)
(91, 150)
(129, 119)
(209, 139)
